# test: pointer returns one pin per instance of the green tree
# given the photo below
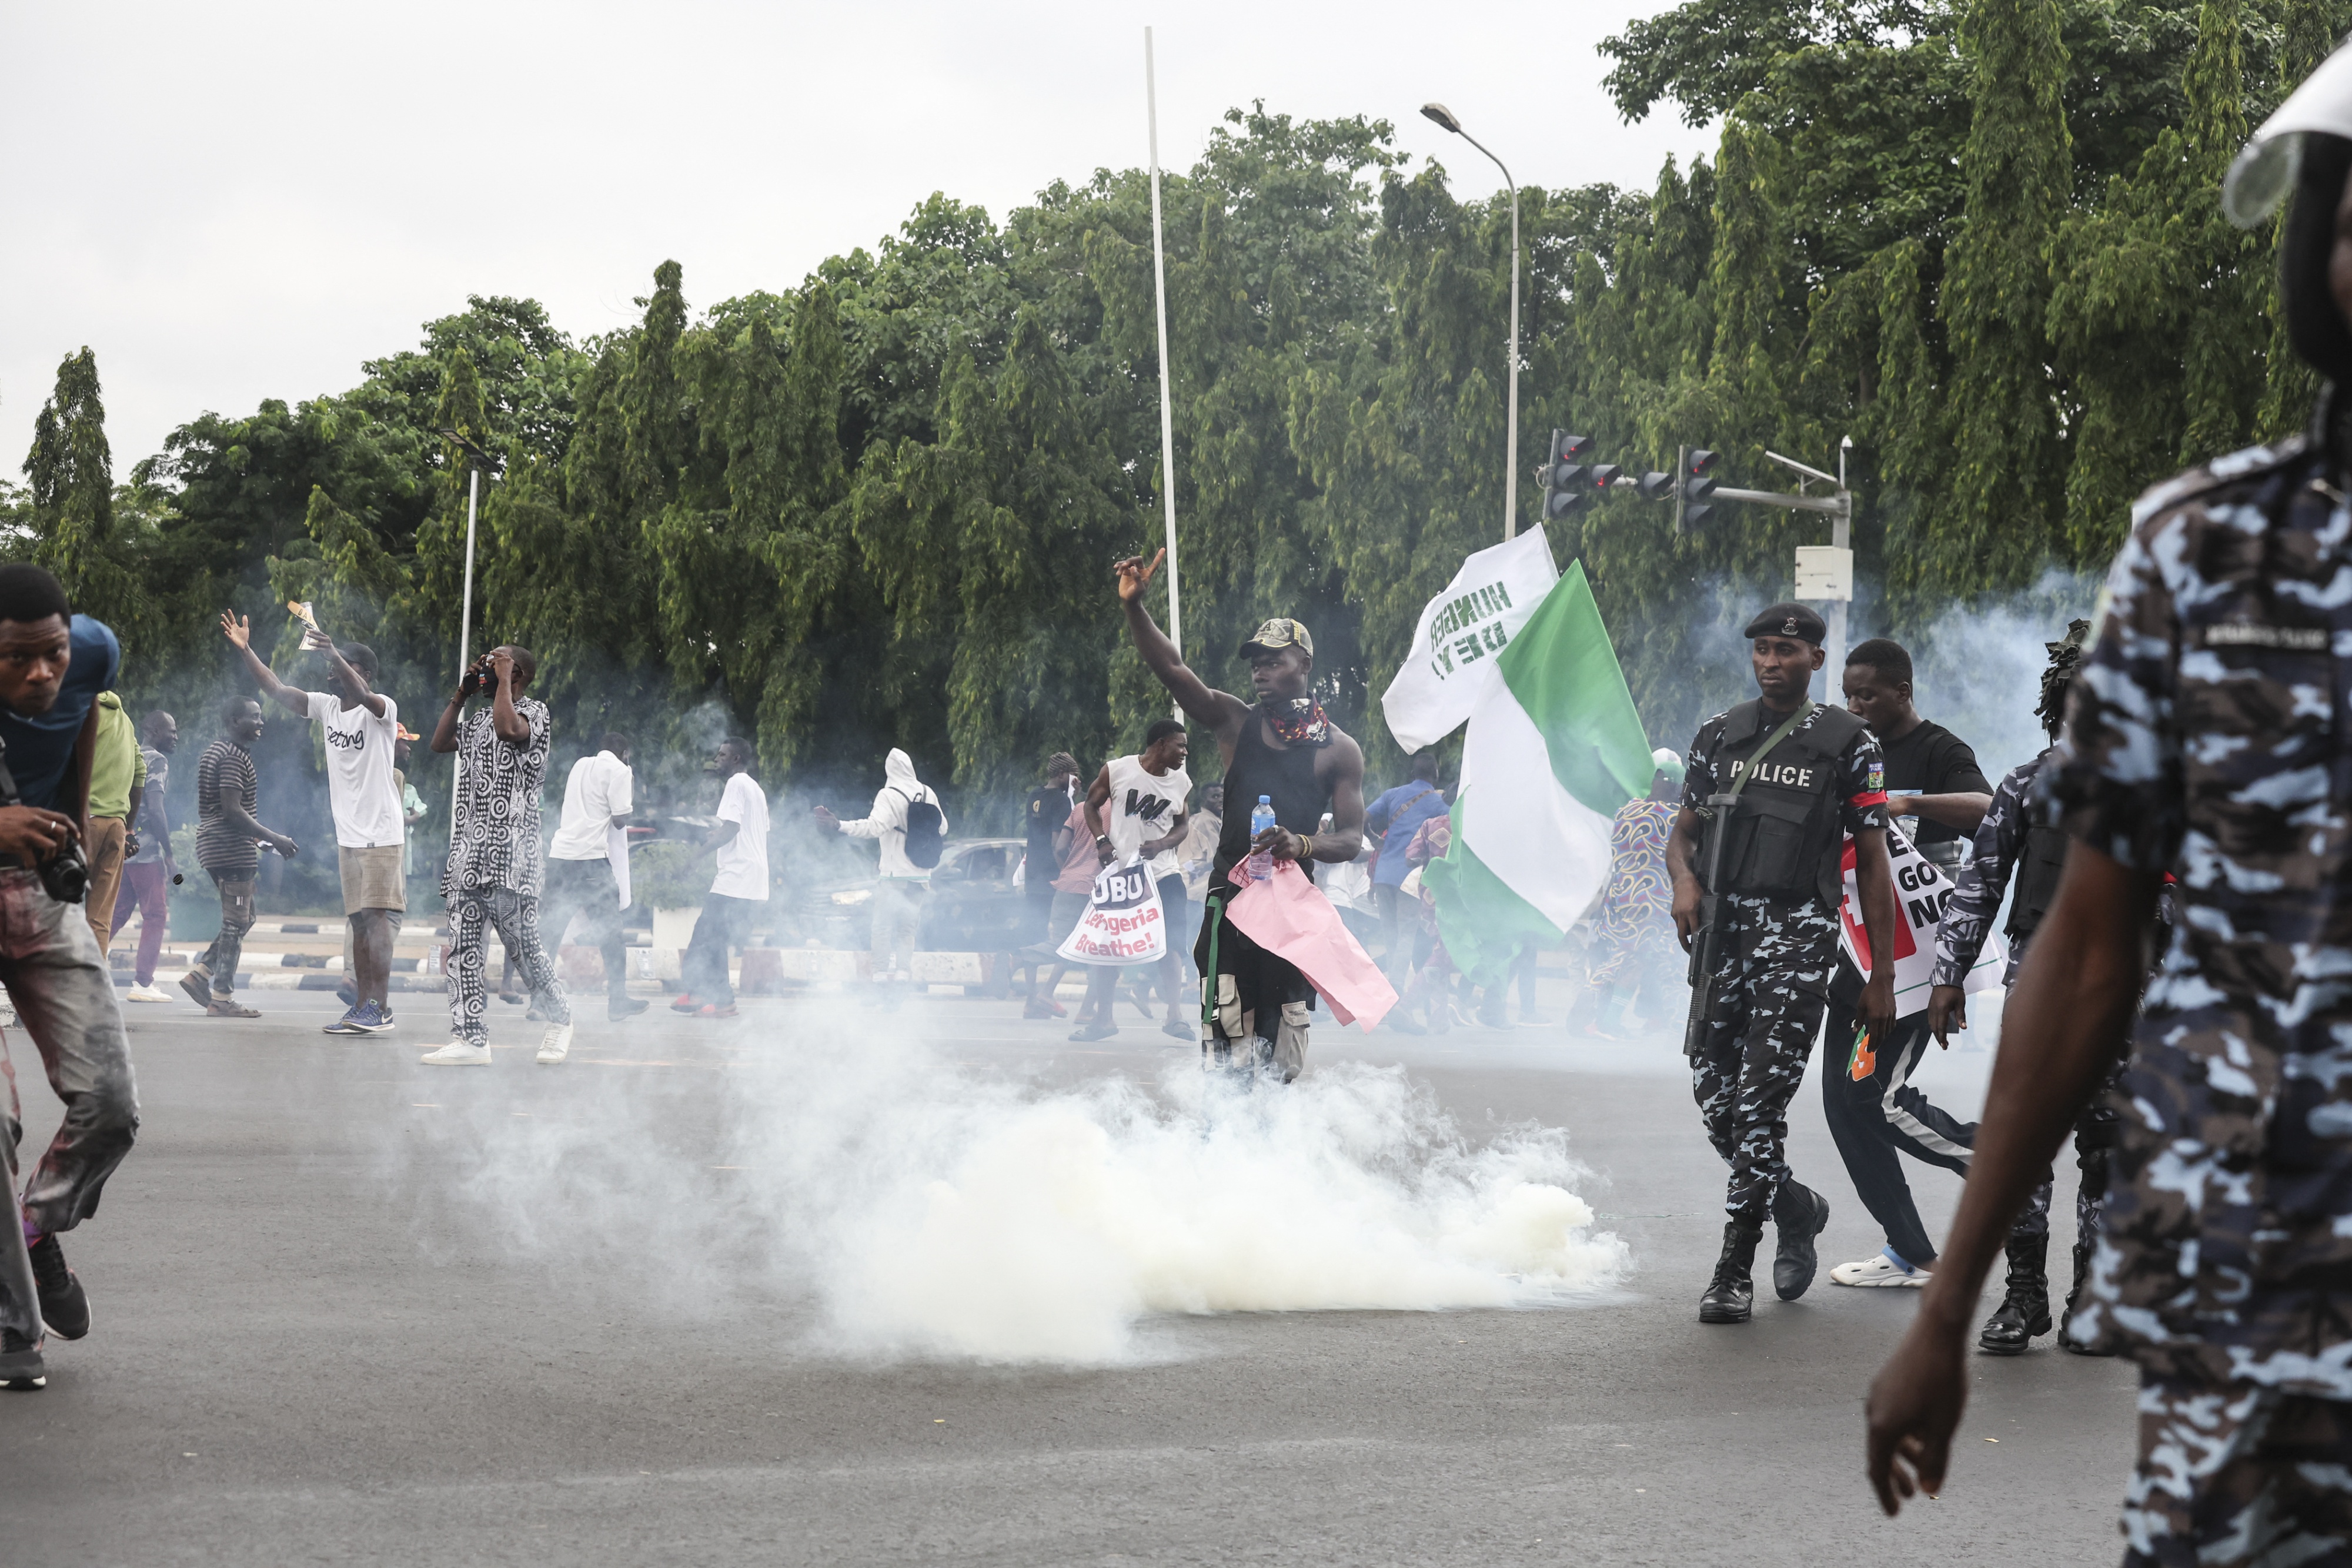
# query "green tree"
(69, 476)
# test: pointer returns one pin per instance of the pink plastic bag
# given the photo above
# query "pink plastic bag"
(1288, 916)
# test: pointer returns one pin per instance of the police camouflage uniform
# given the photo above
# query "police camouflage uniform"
(2015, 840)
(2208, 735)
(1782, 882)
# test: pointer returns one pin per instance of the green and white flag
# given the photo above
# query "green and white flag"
(1555, 747)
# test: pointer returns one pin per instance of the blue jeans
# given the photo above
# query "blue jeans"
(50, 965)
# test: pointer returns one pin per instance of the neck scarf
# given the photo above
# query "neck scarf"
(1298, 721)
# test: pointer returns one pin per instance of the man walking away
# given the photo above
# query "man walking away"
(1633, 936)
(360, 728)
(1135, 808)
(1080, 861)
(227, 791)
(53, 665)
(1395, 815)
(152, 866)
(1198, 857)
(117, 774)
(907, 819)
(493, 878)
(1283, 748)
(1048, 817)
(588, 862)
(1874, 1112)
(737, 892)
(1772, 790)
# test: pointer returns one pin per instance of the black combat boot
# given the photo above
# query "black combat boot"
(1801, 1214)
(2024, 1309)
(2084, 1247)
(1731, 1296)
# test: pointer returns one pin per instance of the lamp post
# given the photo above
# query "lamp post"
(466, 600)
(1445, 117)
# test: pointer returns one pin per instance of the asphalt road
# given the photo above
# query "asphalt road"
(331, 1328)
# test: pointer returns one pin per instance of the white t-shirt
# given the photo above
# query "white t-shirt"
(1143, 805)
(599, 788)
(366, 801)
(743, 859)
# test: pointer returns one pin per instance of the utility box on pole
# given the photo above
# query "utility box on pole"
(1824, 572)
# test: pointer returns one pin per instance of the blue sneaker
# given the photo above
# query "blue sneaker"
(349, 1023)
(371, 1018)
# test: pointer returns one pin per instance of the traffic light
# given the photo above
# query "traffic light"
(1655, 486)
(1697, 486)
(1605, 475)
(1562, 473)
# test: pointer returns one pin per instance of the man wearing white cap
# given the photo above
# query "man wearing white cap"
(2207, 737)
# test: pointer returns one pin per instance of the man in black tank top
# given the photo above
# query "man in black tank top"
(1783, 782)
(1255, 1006)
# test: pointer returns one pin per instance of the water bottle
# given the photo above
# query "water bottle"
(1261, 862)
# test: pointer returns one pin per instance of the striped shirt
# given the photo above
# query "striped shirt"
(225, 773)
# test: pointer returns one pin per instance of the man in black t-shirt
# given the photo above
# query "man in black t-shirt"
(1872, 1108)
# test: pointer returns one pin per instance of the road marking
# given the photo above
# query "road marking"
(425, 1105)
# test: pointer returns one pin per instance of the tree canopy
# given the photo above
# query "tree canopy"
(878, 507)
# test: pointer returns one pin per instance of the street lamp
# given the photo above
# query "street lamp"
(1445, 117)
(466, 602)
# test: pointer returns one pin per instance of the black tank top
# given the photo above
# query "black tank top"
(1286, 775)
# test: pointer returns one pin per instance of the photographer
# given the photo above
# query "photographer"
(53, 665)
(493, 876)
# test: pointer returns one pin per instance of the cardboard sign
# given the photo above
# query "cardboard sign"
(1921, 891)
(1123, 922)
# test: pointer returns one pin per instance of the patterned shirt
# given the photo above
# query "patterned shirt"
(1639, 889)
(494, 838)
(225, 773)
(1984, 876)
(2208, 735)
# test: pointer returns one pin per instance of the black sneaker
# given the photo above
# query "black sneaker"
(619, 1008)
(20, 1363)
(64, 1308)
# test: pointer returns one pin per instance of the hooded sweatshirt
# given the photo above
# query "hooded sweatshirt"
(887, 819)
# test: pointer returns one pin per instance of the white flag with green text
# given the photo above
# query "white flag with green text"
(1462, 632)
(1555, 747)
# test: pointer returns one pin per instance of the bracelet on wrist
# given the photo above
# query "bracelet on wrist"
(1306, 846)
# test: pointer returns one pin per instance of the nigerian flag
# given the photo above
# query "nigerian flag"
(1554, 748)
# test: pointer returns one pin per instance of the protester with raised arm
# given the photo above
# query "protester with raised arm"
(1283, 747)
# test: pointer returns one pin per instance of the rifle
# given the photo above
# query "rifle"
(1706, 950)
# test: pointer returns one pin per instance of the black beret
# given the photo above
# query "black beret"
(1789, 621)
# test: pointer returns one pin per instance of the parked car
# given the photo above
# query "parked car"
(972, 905)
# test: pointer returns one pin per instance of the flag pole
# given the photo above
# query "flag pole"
(1167, 412)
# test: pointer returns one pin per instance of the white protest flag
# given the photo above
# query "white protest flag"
(1461, 630)
(1921, 892)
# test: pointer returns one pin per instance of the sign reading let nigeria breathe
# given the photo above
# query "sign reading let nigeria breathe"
(1462, 631)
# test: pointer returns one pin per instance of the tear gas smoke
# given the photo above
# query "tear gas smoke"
(929, 1211)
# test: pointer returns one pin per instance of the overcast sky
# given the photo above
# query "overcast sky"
(233, 201)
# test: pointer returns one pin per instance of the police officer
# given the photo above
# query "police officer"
(2011, 842)
(1773, 787)
(2207, 737)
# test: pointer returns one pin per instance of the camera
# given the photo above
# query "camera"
(65, 875)
(481, 680)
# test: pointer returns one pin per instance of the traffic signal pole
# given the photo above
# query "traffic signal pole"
(1832, 577)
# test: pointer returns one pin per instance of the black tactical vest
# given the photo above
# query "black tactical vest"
(2038, 866)
(1785, 836)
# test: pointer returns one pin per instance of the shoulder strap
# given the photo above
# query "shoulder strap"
(1775, 738)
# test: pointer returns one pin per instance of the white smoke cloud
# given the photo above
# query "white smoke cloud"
(931, 1211)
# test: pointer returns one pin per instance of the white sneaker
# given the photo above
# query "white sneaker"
(458, 1054)
(144, 994)
(555, 1044)
(1880, 1272)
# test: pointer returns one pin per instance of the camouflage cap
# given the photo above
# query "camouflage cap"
(1277, 633)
